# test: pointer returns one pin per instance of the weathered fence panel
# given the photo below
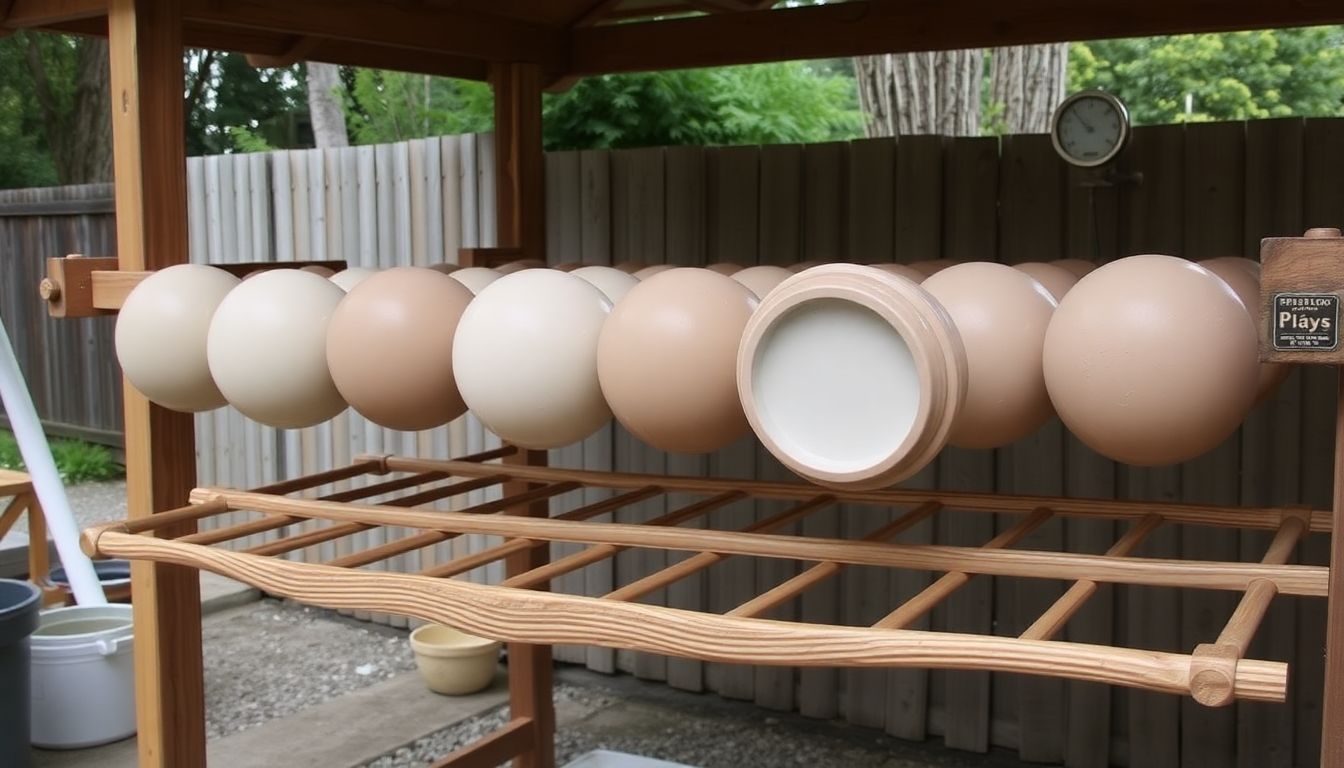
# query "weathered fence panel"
(1206, 191)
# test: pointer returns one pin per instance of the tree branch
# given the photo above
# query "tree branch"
(51, 112)
(198, 87)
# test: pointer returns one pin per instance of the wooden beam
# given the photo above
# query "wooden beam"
(515, 737)
(1332, 735)
(400, 25)
(879, 26)
(27, 14)
(520, 184)
(149, 160)
(299, 50)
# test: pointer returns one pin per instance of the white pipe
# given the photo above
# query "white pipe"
(46, 481)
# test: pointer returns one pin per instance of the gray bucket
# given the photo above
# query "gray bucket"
(19, 604)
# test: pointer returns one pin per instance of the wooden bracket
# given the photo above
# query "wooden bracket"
(1301, 289)
(77, 286)
(299, 50)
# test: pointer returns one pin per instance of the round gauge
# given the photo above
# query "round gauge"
(1089, 128)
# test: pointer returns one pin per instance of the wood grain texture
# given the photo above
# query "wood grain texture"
(1290, 579)
(1263, 518)
(149, 159)
(535, 617)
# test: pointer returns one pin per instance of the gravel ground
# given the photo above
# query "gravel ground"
(270, 659)
(100, 502)
(627, 715)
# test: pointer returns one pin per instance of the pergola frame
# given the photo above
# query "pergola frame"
(521, 48)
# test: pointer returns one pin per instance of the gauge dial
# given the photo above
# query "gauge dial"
(1090, 128)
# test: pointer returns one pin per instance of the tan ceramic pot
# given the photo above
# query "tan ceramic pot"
(1080, 267)
(1243, 277)
(1001, 315)
(904, 270)
(390, 348)
(1055, 279)
(1151, 360)
(763, 279)
(510, 267)
(667, 360)
(851, 376)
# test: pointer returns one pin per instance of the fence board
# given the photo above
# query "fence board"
(1213, 211)
(917, 234)
(822, 230)
(1206, 190)
(732, 197)
(970, 183)
(1031, 221)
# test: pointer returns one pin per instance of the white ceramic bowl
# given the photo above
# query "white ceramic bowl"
(452, 662)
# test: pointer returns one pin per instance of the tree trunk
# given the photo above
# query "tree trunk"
(1026, 83)
(80, 135)
(324, 105)
(921, 93)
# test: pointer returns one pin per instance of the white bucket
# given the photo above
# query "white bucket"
(83, 677)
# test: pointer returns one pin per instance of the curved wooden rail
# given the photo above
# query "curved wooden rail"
(525, 616)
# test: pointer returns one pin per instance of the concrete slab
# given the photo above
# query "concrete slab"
(219, 593)
(343, 732)
(355, 728)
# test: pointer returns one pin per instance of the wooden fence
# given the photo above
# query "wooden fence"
(1205, 190)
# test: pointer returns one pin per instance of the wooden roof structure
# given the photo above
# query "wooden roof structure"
(521, 47)
(574, 38)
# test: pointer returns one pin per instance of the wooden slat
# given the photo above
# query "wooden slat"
(970, 178)
(1264, 518)
(1031, 228)
(1057, 615)
(1291, 579)
(516, 737)
(1214, 200)
(951, 581)
(1153, 212)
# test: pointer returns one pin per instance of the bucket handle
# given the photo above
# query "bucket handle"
(110, 645)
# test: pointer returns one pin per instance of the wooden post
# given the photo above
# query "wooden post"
(1302, 287)
(149, 161)
(520, 200)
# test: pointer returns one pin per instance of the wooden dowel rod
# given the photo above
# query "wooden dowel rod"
(791, 588)
(1245, 620)
(702, 560)
(391, 549)
(513, 546)
(16, 507)
(531, 616)
(340, 530)
(448, 491)
(272, 522)
(1057, 615)
(1266, 518)
(950, 582)
(387, 486)
(173, 516)
(1305, 580)
(321, 478)
(601, 552)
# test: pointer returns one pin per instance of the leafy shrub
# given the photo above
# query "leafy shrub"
(76, 461)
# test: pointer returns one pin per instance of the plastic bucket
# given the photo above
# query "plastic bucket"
(83, 677)
(113, 575)
(19, 604)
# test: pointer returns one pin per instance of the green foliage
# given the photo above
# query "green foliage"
(384, 106)
(235, 107)
(26, 160)
(1232, 76)
(76, 461)
(790, 102)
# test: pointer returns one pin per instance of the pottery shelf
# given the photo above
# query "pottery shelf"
(522, 609)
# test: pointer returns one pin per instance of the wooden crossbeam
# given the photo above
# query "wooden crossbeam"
(1291, 579)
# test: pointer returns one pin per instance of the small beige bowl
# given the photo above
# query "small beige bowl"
(452, 662)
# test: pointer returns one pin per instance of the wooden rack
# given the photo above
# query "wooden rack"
(521, 610)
